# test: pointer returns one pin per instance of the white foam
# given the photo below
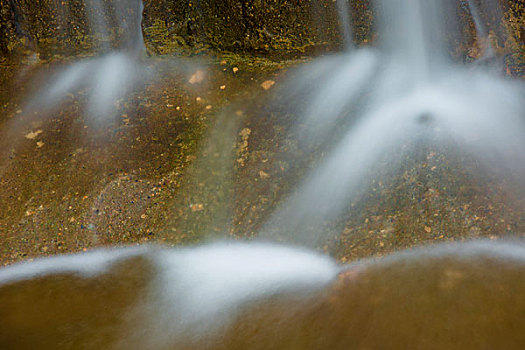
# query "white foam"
(200, 290)
(84, 264)
(475, 110)
(471, 251)
(195, 292)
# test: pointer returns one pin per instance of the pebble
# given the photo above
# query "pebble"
(33, 134)
(267, 84)
(197, 77)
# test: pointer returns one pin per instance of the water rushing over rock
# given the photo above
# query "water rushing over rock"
(364, 106)
(368, 104)
(117, 24)
(262, 296)
(346, 27)
(108, 77)
(183, 295)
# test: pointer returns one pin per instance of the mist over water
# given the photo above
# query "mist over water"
(408, 90)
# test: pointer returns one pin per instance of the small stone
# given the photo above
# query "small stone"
(33, 134)
(197, 207)
(263, 175)
(197, 77)
(267, 84)
(428, 229)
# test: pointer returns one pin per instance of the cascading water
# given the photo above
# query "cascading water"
(264, 296)
(108, 77)
(407, 89)
(482, 34)
(128, 18)
(261, 296)
(346, 27)
(184, 296)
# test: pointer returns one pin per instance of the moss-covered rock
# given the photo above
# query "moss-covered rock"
(49, 26)
(286, 26)
(268, 27)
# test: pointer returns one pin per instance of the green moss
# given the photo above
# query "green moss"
(279, 29)
(160, 41)
(514, 46)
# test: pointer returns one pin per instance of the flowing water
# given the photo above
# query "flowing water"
(265, 296)
(346, 27)
(406, 90)
(482, 32)
(366, 104)
(109, 77)
(184, 295)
